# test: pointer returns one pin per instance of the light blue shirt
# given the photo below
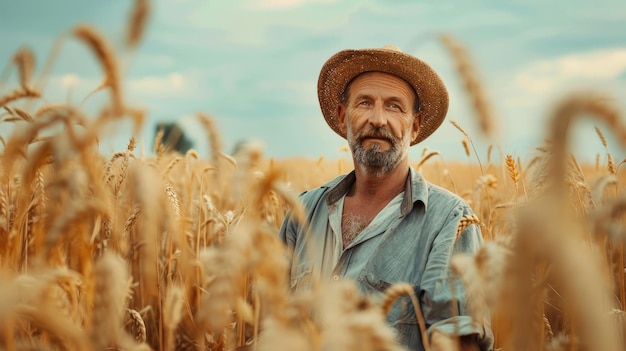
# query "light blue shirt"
(411, 243)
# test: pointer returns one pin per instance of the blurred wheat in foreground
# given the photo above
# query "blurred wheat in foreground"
(174, 252)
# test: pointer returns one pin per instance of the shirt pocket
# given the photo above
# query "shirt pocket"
(402, 315)
(301, 277)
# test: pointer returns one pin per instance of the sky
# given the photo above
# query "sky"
(253, 65)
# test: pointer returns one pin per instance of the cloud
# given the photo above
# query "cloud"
(283, 4)
(545, 76)
(70, 87)
(170, 85)
(230, 23)
(160, 93)
(298, 92)
(70, 80)
(173, 81)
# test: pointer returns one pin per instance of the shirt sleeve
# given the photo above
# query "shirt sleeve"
(440, 289)
(287, 234)
(289, 229)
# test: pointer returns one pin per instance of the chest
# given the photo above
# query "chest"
(362, 212)
(356, 216)
(391, 249)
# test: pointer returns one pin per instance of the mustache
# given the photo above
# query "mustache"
(380, 132)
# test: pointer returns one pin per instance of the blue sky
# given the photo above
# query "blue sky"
(253, 64)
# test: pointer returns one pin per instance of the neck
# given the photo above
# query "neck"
(372, 185)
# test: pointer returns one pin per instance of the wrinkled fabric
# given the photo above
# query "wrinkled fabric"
(413, 245)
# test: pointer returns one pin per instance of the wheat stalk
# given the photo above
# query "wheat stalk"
(571, 107)
(107, 58)
(392, 294)
(172, 313)
(473, 87)
(19, 93)
(111, 279)
(171, 166)
(214, 138)
(426, 158)
(457, 126)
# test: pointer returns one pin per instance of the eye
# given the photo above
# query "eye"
(364, 103)
(395, 107)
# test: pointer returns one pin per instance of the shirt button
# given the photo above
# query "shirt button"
(335, 277)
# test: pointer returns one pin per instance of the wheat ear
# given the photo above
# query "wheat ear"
(601, 136)
(214, 137)
(426, 158)
(173, 198)
(466, 147)
(464, 132)
(611, 163)
(19, 93)
(573, 106)
(458, 126)
(24, 59)
(17, 114)
(106, 55)
(111, 285)
(130, 222)
(137, 23)
(473, 86)
(392, 294)
(512, 171)
(465, 222)
(158, 140)
(136, 326)
(172, 313)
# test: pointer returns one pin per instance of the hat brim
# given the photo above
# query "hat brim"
(344, 66)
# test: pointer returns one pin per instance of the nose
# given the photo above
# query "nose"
(377, 117)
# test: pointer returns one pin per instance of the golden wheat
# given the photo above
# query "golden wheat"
(175, 251)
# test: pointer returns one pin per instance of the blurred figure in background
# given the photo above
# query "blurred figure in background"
(173, 139)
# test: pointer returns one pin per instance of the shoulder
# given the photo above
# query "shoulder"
(312, 196)
(433, 197)
(438, 193)
(442, 200)
(455, 218)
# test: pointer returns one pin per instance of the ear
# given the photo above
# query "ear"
(341, 118)
(416, 126)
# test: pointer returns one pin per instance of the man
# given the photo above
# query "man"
(383, 223)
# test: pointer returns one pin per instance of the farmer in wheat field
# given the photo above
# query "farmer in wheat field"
(383, 223)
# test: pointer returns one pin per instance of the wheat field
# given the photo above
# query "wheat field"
(125, 251)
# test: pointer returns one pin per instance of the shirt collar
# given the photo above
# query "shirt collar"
(415, 189)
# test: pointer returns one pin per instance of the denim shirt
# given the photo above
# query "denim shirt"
(414, 246)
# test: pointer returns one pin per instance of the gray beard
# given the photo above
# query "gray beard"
(376, 161)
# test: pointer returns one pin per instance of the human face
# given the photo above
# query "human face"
(378, 120)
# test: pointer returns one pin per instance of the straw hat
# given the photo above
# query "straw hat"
(345, 65)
